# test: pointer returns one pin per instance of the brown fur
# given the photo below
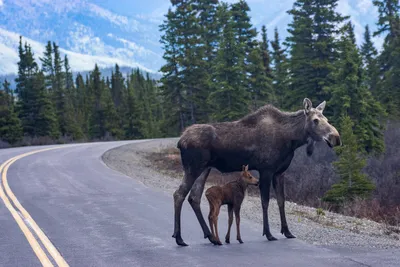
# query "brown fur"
(231, 194)
(265, 140)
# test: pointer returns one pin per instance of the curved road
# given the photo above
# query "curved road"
(96, 216)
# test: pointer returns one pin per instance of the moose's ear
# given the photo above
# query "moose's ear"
(243, 167)
(307, 105)
(246, 168)
(321, 106)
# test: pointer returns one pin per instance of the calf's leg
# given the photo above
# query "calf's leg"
(279, 187)
(230, 221)
(215, 219)
(210, 219)
(195, 200)
(237, 216)
(265, 185)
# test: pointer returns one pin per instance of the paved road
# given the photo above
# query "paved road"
(98, 217)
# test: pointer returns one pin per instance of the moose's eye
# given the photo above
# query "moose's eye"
(316, 121)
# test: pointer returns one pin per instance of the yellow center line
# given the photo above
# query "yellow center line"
(28, 234)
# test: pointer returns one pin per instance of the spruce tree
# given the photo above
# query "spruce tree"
(48, 66)
(45, 119)
(300, 41)
(279, 71)
(96, 120)
(71, 106)
(260, 83)
(172, 91)
(26, 103)
(131, 115)
(10, 125)
(81, 105)
(230, 97)
(353, 182)
(350, 95)
(313, 48)
(369, 55)
(388, 86)
(265, 52)
(58, 89)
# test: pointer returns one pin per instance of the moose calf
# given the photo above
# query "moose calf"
(231, 194)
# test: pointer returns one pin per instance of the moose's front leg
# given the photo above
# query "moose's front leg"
(265, 185)
(278, 183)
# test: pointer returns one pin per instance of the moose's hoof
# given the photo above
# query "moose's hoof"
(287, 233)
(179, 241)
(240, 241)
(271, 238)
(227, 241)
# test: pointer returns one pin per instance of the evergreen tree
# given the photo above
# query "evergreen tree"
(117, 92)
(300, 42)
(131, 115)
(81, 105)
(47, 66)
(369, 55)
(265, 52)
(58, 89)
(8, 94)
(313, 48)
(71, 106)
(350, 95)
(172, 91)
(260, 83)
(388, 86)
(10, 125)
(45, 120)
(26, 95)
(230, 98)
(353, 182)
(279, 71)
(96, 124)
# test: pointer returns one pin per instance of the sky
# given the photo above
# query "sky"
(126, 31)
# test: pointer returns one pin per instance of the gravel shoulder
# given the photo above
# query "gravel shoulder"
(328, 229)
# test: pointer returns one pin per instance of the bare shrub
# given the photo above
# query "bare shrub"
(4, 144)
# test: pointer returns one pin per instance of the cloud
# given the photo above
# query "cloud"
(277, 19)
(78, 61)
(116, 19)
(364, 6)
(1, 3)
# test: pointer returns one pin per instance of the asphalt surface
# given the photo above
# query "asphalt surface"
(96, 216)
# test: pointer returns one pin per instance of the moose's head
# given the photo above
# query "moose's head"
(318, 127)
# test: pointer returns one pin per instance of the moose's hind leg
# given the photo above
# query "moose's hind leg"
(179, 196)
(195, 200)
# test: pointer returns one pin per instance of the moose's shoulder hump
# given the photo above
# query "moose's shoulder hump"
(197, 136)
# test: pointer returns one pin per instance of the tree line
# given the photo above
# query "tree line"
(49, 103)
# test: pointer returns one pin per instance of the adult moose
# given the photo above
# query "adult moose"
(265, 140)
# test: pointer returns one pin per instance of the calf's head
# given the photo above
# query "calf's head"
(317, 125)
(247, 177)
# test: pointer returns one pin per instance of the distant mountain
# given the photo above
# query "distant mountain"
(104, 72)
(86, 32)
